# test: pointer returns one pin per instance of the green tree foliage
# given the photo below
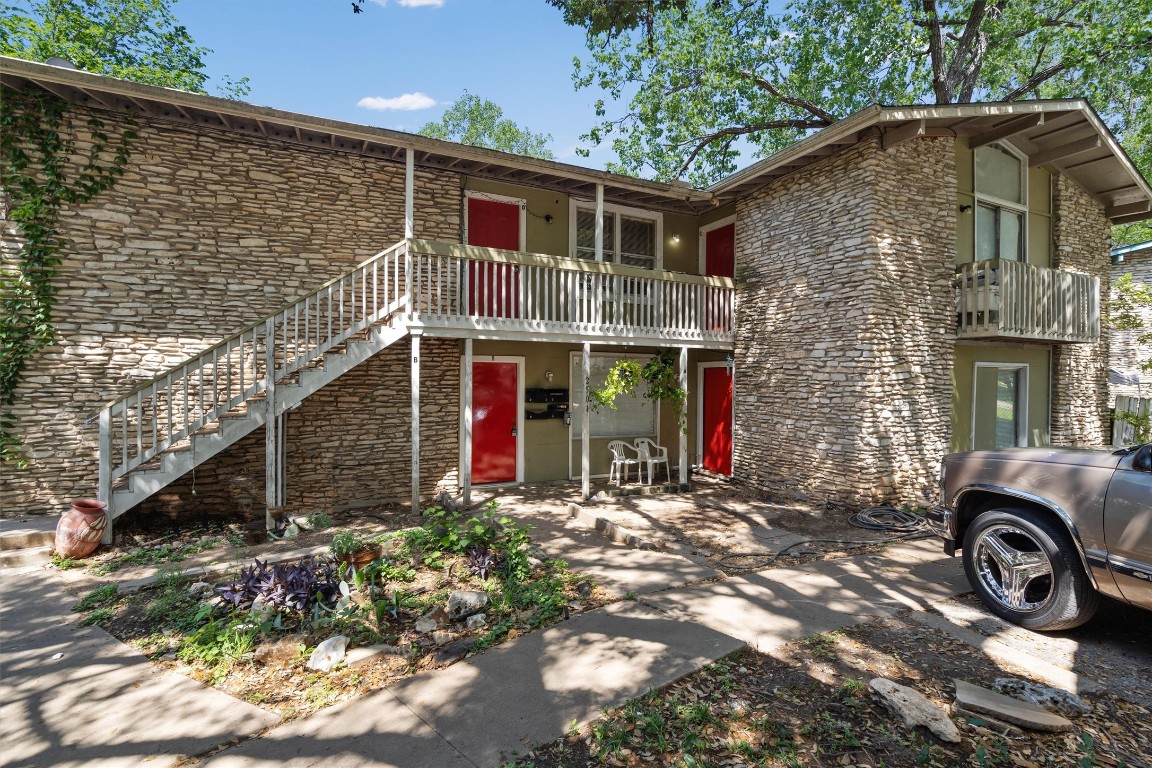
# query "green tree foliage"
(137, 40)
(481, 123)
(704, 80)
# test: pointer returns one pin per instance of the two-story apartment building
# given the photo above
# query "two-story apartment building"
(272, 309)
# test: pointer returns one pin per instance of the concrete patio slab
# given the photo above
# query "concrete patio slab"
(377, 731)
(536, 688)
(620, 569)
(75, 696)
(771, 608)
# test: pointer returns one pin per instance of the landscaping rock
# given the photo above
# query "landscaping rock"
(281, 652)
(1006, 708)
(440, 637)
(200, 589)
(987, 722)
(431, 621)
(476, 621)
(915, 709)
(328, 654)
(450, 654)
(1064, 702)
(465, 602)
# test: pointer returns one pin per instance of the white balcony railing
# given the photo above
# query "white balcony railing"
(1007, 299)
(511, 294)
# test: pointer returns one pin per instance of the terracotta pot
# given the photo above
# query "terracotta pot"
(80, 528)
(362, 557)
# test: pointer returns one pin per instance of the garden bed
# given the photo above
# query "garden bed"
(452, 586)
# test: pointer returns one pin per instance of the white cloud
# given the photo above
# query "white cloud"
(406, 103)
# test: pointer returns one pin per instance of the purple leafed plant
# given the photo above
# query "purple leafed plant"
(285, 587)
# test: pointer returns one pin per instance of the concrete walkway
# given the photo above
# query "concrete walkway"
(103, 704)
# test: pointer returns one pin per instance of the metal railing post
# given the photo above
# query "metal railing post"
(104, 488)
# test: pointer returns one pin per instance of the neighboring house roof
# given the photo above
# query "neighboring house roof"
(1128, 251)
(1066, 134)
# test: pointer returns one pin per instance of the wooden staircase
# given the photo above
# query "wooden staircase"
(166, 427)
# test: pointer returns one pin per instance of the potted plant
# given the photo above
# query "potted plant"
(355, 549)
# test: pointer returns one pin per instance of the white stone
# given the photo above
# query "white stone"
(328, 654)
(915, 709)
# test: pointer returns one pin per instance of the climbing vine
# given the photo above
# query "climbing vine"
(660, 374)
(41, 171)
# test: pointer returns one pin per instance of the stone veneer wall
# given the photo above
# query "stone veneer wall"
(1125, 353)
(206, 233)
(1080, 408)
(845, 332)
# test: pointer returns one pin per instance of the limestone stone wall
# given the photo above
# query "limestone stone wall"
(1081, 236)
(1125, 353)
(206, 233)
(845, 332)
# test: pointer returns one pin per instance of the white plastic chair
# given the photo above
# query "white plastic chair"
(650, 455)
(620, 460)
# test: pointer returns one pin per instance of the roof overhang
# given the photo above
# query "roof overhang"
(107, 93)
(1066, 135)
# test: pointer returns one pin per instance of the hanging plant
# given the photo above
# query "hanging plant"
(41, 171)
(660, 374)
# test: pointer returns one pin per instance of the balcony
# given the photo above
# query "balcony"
(459, 290)
(1000, 299)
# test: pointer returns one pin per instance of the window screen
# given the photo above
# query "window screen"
(998, 174)
(633, 417)
(637, 242)
(586, 235)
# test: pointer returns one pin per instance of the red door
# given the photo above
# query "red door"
(495, 387)
(493, 289)
(717, 420)
(720, 251)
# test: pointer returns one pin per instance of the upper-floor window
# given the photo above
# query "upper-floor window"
(1001, 203)
(632, 236)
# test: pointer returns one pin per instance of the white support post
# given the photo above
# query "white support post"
(104, 489)
(466, 454)
(585, 425)
(599, 222)
(682, 422)
(271, 443)
(409, 194)
(415, 422)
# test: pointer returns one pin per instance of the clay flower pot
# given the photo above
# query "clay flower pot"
(362, 557)
(80, 528)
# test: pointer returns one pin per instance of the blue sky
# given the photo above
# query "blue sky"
(318, 58)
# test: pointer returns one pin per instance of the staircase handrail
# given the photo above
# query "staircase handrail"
(301, 331)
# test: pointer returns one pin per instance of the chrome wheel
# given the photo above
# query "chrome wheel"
(1024, 565)
(1013, 567)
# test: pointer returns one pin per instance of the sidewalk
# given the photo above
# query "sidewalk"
(102, 703)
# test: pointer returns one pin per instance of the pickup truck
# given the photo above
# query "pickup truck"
(1044, 532)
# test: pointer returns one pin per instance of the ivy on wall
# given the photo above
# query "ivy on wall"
(43, 168)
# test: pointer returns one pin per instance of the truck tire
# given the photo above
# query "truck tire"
(1025, 568)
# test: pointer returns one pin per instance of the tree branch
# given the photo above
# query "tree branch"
(1036, 80)
(731, 133)
(804, 104)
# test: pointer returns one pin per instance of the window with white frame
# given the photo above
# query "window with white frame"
(1001, 203)
(632, 236)
(633, 417)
